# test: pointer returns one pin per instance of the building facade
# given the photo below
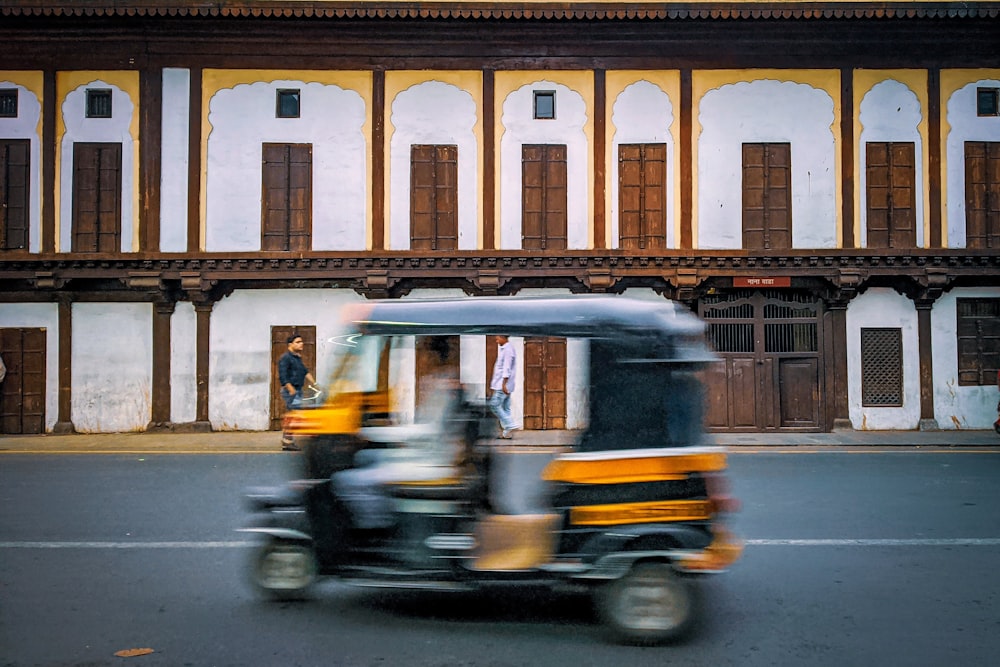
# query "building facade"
(184, 184)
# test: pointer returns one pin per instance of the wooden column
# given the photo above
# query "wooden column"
(687, 164)
(925, 346)
(150, 141)
(203, 316)
(600, 158)
(838, 414)
(847, 156)
(162, 312)
(194, 163)
(378, 159)
(65, 420)
(489, 162)
(48, 149)
(934, 156)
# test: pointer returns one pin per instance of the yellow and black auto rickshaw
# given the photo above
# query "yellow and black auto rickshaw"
(630, 506)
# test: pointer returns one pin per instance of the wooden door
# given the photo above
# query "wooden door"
(97, 192)
(22, 391)
(433, 197)
(890, 176)
(543, 203)
(286, 204)
(982, 194)
(642, 187)
(544, 383)
(279, 345)
(14, 187)
(767, 196)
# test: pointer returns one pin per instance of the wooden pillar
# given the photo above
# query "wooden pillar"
(64, 424)
(925, 346)
(48, 149)
(600, 159)
(687, 164)
(194, 163)
(934, 156)
(150, 141)
(378, 159)
(162, 312)
(838, 414)
(203, 315)
(489, 162)
(847, 156)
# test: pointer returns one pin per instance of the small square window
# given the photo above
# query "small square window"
(545, 104)
(8, 103)
(287, 104)
(98, 103)
(988, 101)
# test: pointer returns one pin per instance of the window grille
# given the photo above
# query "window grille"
(978, 331)
(98, 103)
(8, 103)
(882, 367)
(988, 101)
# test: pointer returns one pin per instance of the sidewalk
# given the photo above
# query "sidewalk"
(265, 442)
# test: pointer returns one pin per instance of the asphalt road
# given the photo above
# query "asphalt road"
(852, 559)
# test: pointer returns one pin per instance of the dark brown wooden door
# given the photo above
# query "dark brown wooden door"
(22, 391)
(982, 194)
(433, 197)
(97, 197)
(642, 187)
(286, 215)
(890, 175)
(544, 383)
(14, 183)
(279, 345)
(767, 196)
(543, 202)
(769, 376)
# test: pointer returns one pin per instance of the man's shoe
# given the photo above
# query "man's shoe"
(289, 446)
(506, 434)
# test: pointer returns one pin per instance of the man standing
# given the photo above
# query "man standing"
(293, 375)
(502, 385)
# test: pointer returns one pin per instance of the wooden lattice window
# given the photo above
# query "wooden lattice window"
(978, 329)
(98, 103)
(882, 367)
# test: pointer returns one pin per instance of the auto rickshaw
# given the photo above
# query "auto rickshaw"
(630, 507)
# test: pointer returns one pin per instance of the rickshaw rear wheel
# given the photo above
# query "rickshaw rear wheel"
(283, 569)
(650, 605)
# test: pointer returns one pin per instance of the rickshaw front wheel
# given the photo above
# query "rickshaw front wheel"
(283, 569)
(650, 605)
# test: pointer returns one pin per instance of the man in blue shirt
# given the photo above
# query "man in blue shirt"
(293, 375)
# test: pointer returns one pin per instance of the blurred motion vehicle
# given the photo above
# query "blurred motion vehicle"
(633, 509)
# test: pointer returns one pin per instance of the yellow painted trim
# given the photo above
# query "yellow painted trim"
(215, 80)
(953, 80)
(623, 470)
(669, 81)
(656, 511)
(916, 81)
(579, 81)
(470, 81)
(128, 83)
(34, 82)
(704, 81)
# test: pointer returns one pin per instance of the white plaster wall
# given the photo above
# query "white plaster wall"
(965, 126)
(775, 112)
(25, 126)
(240, 348)
(174, 159)
(112, 367)
(520, 127)
(242, 118)
(40, 316)
(958, 407)
(883, 308)
(183, 364)
(890, 111)
(433, 113)
(642, 114)
(116, 129)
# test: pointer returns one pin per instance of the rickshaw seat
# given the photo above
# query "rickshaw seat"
(514, 542)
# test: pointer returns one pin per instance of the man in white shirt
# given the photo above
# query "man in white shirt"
(502, 385)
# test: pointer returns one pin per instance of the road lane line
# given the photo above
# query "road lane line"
(239, 544)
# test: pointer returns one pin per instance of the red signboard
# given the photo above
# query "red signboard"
(772, 281)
